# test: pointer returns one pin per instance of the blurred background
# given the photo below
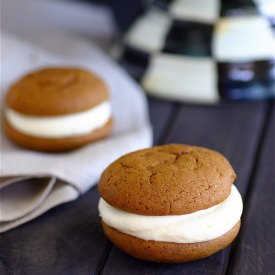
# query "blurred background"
(180, 50)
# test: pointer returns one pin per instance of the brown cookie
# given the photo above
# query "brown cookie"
(170, 180)
(56, 145)
(167, 180)
(55, 95)
(56, 91)
(167, 252)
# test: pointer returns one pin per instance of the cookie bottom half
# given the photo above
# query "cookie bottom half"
(56, 145)
(166, 252)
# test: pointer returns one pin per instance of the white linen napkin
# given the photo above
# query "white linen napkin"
(22, 199)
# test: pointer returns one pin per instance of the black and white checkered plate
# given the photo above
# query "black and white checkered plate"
(203, 50)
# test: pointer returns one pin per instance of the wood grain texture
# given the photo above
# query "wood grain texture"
(69, 239)
(234, 129)
(161, 113)
(66, 240)
(255, 251)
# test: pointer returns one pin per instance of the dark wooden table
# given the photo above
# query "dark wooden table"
(69, 240)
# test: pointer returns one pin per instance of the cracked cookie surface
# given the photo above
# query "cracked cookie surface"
(167, 180)
(56, 91)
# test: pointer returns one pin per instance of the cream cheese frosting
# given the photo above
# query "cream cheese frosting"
(63, 126)
(203, 225)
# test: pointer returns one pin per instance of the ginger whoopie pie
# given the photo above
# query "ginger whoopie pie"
(171, 203)
(57, 109)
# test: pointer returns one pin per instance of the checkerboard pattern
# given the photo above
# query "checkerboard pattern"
(203, 50)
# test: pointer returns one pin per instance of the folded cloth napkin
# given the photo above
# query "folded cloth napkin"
(33, 182)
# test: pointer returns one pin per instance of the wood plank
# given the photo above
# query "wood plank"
(161, 112)
(66, 240)
(234, 129)
(255, 251)
(3, 268)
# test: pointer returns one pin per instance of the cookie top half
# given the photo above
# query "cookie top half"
(167, 180)
(56, 91)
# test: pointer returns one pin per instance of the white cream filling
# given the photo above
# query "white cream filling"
(60, 126)
(203, 225)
